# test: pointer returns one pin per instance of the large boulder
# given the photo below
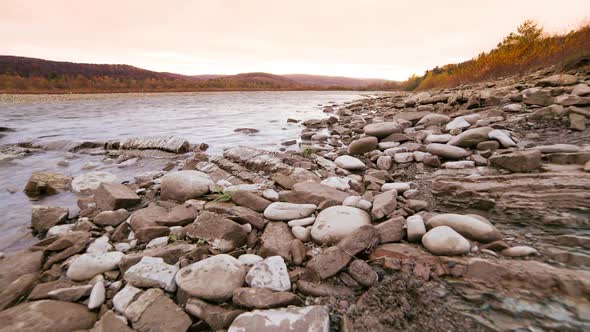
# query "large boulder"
(45, 217)
(363, 145)
(337, 222)
(89, 182)
(214, 278)
(469, 226)
(46, 316)
(312, 318)
(47, 183)
(184, 185)
(447, 151)
(382, 129)
(518, 161)
(443, 240)
(471, 137)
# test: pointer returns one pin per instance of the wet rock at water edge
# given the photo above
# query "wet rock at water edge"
(45, 217)
(47, 183)
(89, 182)
(113, 196)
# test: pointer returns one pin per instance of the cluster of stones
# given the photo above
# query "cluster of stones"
(252, 241)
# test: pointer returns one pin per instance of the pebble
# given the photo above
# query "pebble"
(97, 296)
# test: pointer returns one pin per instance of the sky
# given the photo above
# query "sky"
(369, 39)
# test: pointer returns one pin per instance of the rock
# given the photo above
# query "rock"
(458, 123)
(113, 196)
(271, 195)
(350, 163)
(470, 138)
(312, 318)
(488, 145)
(431, 161)
(447, 151)
(183, 185)
(415, 228)
(433, 119)
(558, 148)
(384, 162)
(382, 129)
(468, 226)
(180, 215)
(154, 312)
(557, 80)
(218, 318)
(124, 297)
(100, 246)
(403, 157)
(337, 222)
(165, 143)
(313, 193)
(270, 273)
(97, 296)
(110, 322)
(47, 183)
(519, 251)
(70, 294)
(391, 230)
(262, 298)
(250, 200)
(276, 240)
(89, 182)
(399, 187)
(537, 96)
(46, 316)
(111, 218)
(147, 217)
(363, 145)
(518, 161)
(577, 122)
(384, 204)
(362, 273)
(158, 242)
(339, 183)
(459, 164)
(88, 265)
(581, 90)
(17, 290)
(357, 202)
(222, 233)
(45, 217)
(438, 138)
(512, 108)
(444, 241)
(301, 233)
(587, 166)
(501, 137)
(152, 272)
(288, 211)
(214, 278)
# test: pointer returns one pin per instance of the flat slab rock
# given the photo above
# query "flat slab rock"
(165, 143)
(46, 316)
(312, 318)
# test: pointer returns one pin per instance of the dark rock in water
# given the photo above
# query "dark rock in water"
(47, 183)
(6, 129)
(165, 143)
(246, 130)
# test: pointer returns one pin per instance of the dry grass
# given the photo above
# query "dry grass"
(526, 49)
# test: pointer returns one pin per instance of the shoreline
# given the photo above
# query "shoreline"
(403, 211)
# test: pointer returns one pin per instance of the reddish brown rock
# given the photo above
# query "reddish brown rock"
(276, 240)
(262, 298)
(222, 233)
(45, 217)
(250, 200)
(114, 196)
(216, 317)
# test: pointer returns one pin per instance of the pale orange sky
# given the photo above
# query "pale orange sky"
(369, 38)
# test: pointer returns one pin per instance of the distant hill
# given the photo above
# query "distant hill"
(330, 81)
(29, 75)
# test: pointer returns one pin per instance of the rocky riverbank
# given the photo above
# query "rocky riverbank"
(461, 209)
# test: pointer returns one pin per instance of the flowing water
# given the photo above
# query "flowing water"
(207, 117)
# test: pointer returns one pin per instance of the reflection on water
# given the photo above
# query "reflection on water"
(199, 117)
